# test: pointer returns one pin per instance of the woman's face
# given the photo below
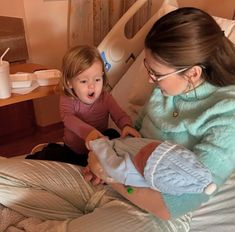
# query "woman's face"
(170, 85)
(88, 84)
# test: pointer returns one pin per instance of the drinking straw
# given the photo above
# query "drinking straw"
(4, 53)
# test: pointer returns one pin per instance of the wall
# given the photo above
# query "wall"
(46, 23)
(46, 34)
(214, 7)
(219, 8)
(6, 8)
(46, 26)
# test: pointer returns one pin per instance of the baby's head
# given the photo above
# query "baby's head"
(83, 73)
(171, 168)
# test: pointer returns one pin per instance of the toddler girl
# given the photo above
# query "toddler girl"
(85, 106)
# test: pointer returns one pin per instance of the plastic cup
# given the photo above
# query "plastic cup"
(5, 85)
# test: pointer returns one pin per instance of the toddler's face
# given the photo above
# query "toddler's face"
(88, 84)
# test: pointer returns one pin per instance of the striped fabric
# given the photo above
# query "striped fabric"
(57, 192)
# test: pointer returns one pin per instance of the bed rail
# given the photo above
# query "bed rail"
(119, 52)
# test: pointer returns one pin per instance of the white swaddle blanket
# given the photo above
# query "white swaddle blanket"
(170, 168)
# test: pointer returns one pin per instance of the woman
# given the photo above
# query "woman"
(192, 64)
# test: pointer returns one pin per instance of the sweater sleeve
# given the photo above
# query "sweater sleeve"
(71, 120)
(217, 148)
(119, 116)
(216, 151)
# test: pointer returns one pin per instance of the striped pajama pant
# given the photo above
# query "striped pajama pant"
(57, 193)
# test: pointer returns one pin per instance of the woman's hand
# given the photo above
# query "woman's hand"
(128, 130)
(96, 168)
(90, 176)
(94, 171)
(94, 134)
(94, 164)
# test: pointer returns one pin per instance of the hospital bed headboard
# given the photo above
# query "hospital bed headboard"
(118, 51)
(129, 81)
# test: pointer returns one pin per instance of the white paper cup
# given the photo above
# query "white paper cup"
(5, 85)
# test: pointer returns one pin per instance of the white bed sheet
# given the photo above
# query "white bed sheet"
(218, 215)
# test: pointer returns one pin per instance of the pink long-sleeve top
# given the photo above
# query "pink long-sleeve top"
(80, 119)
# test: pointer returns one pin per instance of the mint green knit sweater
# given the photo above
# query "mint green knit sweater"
(205, 124)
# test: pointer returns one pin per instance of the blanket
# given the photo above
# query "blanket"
(12, 221)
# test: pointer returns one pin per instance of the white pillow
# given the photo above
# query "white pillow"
(232, 34)
(228, 26)
(142, 90)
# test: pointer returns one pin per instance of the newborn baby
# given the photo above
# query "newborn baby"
(163, 166)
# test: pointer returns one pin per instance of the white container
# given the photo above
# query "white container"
(5, 85)
(22, 80)
(48, 77)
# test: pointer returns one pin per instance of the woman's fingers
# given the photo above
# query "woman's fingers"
(91, 177)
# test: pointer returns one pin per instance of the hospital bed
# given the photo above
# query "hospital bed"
(128, 84)
(132, 90)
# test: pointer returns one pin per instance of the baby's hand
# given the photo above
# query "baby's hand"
(94, 134)
(127, 130)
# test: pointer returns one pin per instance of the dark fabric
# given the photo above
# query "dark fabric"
(111, 133)
(62, 153)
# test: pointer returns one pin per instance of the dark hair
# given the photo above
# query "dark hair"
(189, 36)
(77, 60)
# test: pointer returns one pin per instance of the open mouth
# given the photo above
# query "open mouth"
(90, 95)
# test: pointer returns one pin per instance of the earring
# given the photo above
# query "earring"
(195, 92)
(188, 88)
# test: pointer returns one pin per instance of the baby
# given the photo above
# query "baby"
(163, 166)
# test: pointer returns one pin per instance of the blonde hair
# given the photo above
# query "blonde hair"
(189, 36)
(77, 60)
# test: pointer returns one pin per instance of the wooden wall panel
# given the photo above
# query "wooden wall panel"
(97, 21)
(80, 21)
(116, 10)
(130, 27)
(138, 19)
(101, 20)
(90, 21)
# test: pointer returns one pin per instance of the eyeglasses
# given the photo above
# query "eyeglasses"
(156, 77)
